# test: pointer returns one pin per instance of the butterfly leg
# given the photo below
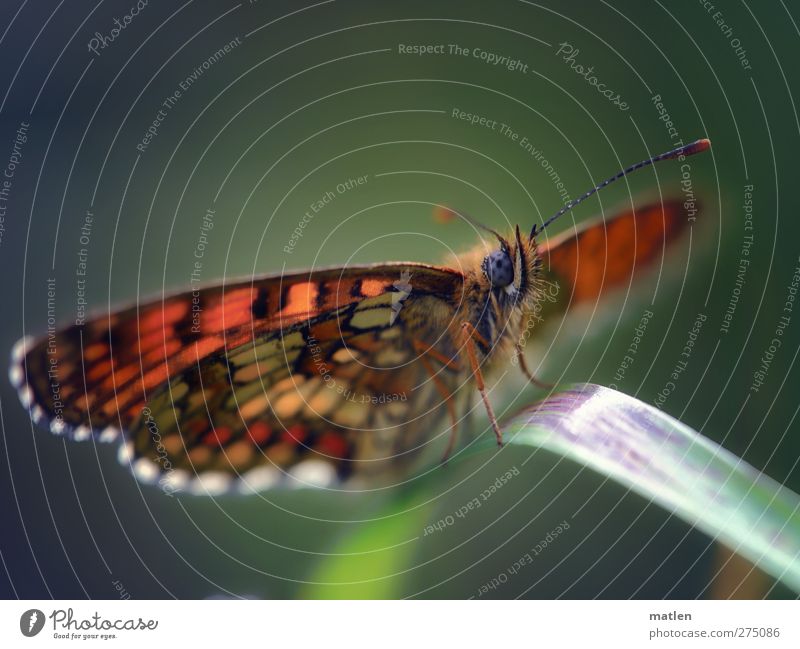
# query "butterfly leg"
(424, 350)
(470, 335)
(448, 400)
(523, 365)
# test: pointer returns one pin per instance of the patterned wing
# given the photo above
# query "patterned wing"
(603, 254)
(311, 377)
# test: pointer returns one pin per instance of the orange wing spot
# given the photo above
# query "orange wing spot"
(156, 376)
(120, 377)
(442, 214)
(161, 353)
(153, 339)
(134, 411)
(332, 445)
(95, 351)
(83, 402)
(260, 432)
(232, 311)
(98, 371)
(301, 300)
(373, 287)
(131, 397)
(200, 349)
(295, 434)
(109, 408)
(160, 318)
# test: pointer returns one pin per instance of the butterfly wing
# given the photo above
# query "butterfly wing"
(602, 254)
(308, 375)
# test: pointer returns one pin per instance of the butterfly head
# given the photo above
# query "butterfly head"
(509, 269)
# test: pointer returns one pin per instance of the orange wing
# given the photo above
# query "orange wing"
(86, 378)
(602, 254)
(311, 375)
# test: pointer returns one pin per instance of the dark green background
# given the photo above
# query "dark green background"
(322, 95)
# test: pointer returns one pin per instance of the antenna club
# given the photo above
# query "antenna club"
(702, 145)
(690, 149)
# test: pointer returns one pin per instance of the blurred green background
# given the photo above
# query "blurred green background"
(312, 95)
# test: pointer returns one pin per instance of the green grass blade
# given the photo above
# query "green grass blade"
(667, 462)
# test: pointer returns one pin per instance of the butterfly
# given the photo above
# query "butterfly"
(338, 376)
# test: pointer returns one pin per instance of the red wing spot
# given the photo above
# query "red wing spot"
(220, 437)
(295, 434)
(333, 445)
(260, 432)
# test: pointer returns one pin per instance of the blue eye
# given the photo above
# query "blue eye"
(498, 268)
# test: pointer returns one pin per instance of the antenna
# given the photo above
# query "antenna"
(682, 151)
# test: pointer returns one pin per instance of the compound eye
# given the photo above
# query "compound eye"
(498, 268)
